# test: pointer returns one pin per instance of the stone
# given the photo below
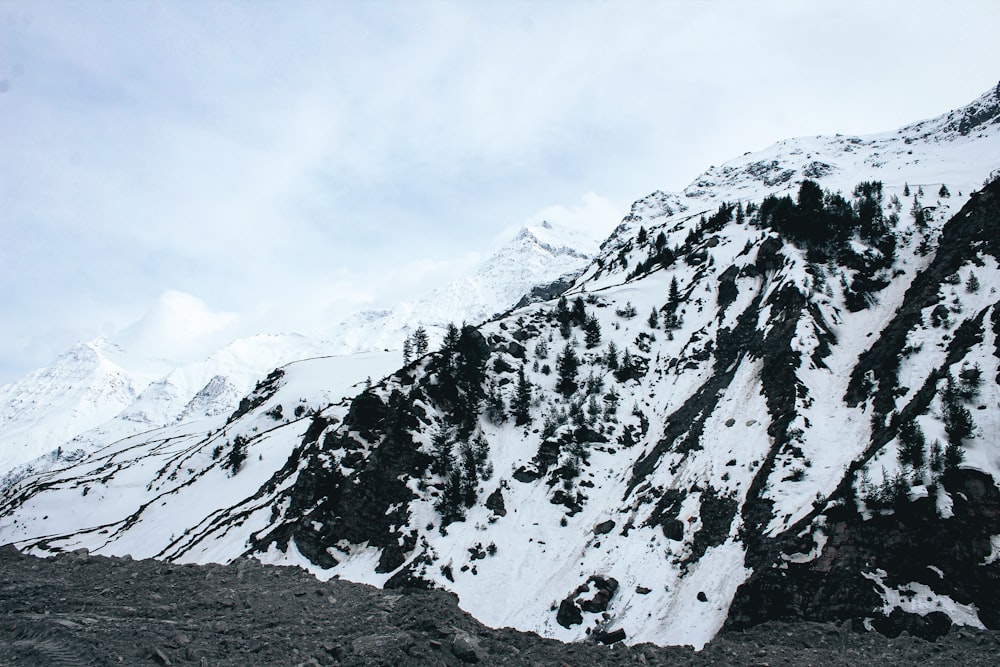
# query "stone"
(466, 648)
(159, 657)
(373, 645)
(604, 527)
(569, 614)
(612, 637)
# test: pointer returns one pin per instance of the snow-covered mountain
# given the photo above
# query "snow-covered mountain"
(538, 255)
(773, 395)
(99, 392)
(86, 386)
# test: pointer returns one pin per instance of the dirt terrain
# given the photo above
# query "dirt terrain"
(76, 609)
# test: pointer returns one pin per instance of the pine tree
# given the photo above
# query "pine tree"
(972, 284)
(911, 445)
(562, 311)
(450, 338)
(420, 341)
(521, 406)
(407, 351)
(592, 332)
(579, 314)
(906, 189)
(918, 213)
(496, 411)
(674, 297)
(567, 365)
(654, 318)
(611, 356)
(441, 445)
(542, 349)
(641, 236)
(237, 454)
(943, 192)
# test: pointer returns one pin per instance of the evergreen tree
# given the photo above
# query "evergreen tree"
(450, 338)
(943, 192)
(237, 454)
(441, 445)
(958, 424)
(420, 341)
(611, 400)
(496, 411)
(579, 314)
(407, 351)
(611, 356)
(567, 365)
(674, 296)
(906, 189)
(521, 406)
(868, 205)
(592, 332)
(911, 445)
(565, 330)
(641, 236)
(562, 311)
(918, 213)
(654, 318)
(972, 284)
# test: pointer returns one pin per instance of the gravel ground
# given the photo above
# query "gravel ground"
(76, 609)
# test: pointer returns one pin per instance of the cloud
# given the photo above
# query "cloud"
(251, 153)
(179, 328)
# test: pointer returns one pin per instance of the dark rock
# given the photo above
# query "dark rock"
(606, 589)
(702, 597)
(611, 637)
(494, 503)
(674, 530)
(466, 647)
(569, 614)
(604, 527)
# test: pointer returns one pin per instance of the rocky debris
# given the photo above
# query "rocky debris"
(69, 612)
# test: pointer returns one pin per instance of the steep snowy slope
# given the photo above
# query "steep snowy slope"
(749, 406)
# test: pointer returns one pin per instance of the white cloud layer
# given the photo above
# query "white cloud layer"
(289, 161)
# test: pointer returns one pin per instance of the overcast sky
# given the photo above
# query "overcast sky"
(276, 165)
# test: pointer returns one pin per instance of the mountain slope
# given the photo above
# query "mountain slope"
(767, 397)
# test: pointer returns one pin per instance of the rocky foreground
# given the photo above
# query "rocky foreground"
(76, 609)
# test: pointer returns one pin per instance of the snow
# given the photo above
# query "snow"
(920, 599)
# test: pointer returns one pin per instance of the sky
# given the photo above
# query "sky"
(275, 166)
